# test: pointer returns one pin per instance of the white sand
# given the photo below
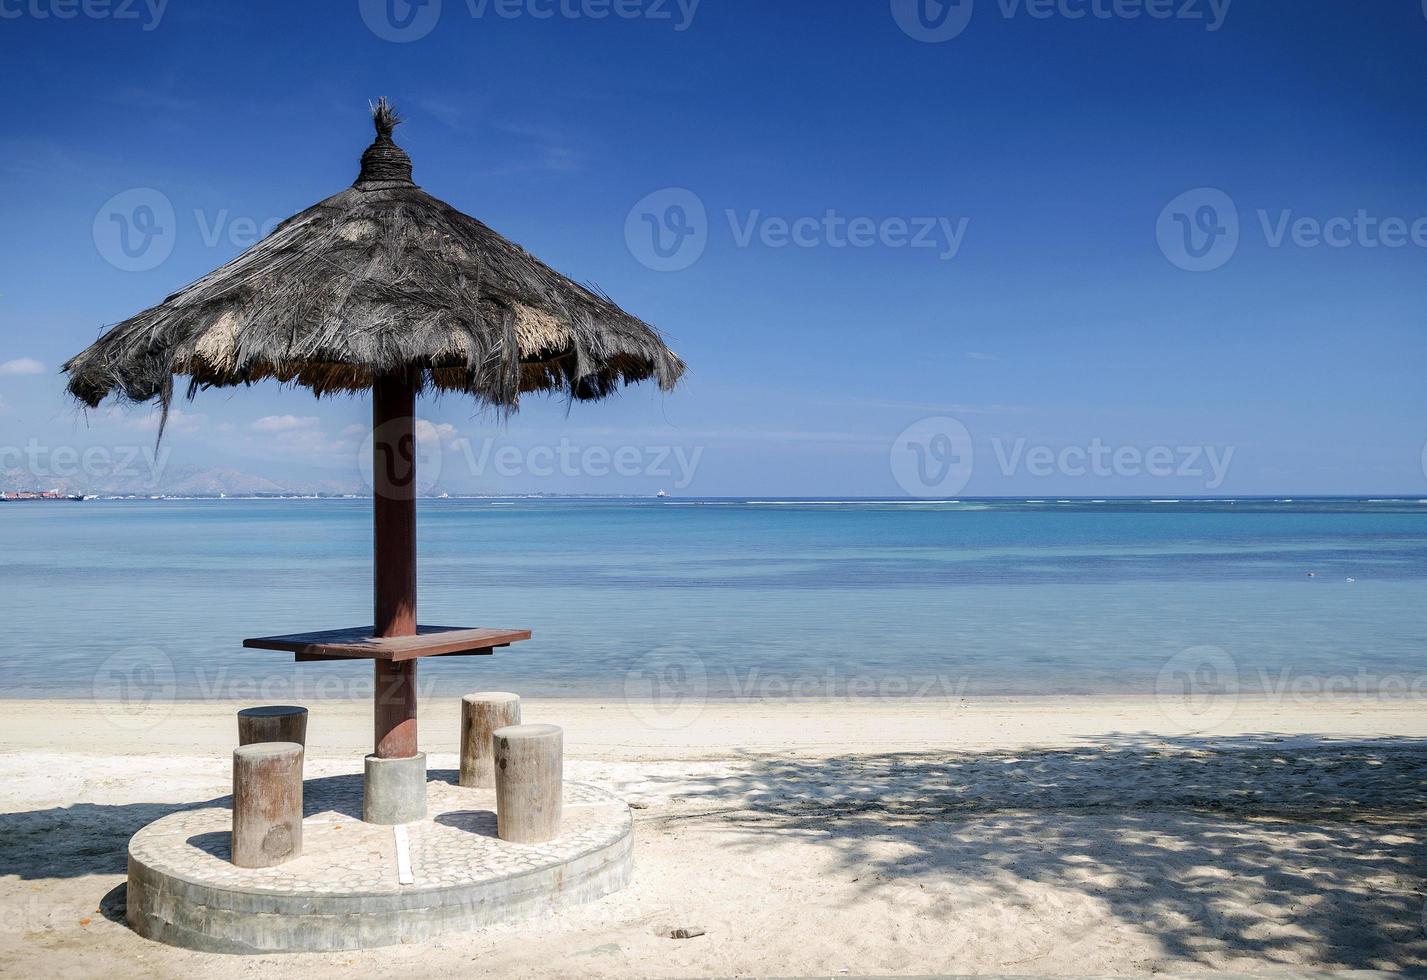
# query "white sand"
(1027, 836)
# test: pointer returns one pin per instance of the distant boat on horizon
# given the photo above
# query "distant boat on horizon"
(28, 495)
(662, 494)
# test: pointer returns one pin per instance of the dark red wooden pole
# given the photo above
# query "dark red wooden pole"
(394, 554)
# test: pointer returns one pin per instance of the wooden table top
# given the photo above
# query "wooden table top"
(357, 643)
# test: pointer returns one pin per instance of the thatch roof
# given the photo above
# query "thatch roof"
(380, 279)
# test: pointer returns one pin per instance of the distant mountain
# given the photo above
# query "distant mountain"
(211, 483)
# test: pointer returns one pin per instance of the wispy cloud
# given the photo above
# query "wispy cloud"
(447, 113)
(284, 423)
(547, 149)
(134, 97)
(976, 355)
(179, 421)
(942, 408)
(21, 366)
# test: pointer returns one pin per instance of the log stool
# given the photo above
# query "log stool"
(482, 714)
(273, 723)
(529, 778)
(267, 804)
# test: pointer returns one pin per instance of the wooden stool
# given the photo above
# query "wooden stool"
(482, 714)
(267, 804)
(529, 778)
(273, 723)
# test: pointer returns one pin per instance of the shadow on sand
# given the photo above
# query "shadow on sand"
(1287, 850)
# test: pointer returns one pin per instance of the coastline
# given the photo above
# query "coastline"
(611, 728)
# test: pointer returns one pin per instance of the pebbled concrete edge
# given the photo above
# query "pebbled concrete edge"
(213, 919)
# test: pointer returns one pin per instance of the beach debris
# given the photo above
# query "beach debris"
(685, 932)
(604, 950)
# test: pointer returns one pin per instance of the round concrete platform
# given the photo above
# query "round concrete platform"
(344, 893)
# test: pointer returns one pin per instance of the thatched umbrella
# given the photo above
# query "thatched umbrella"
(381, 287)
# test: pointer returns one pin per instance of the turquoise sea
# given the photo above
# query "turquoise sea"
(740, 598)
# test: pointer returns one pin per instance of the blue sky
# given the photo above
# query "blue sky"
(991, 285)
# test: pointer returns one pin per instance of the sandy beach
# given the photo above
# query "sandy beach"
(1022, 836)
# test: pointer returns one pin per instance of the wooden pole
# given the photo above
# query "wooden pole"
(267, 804)
(273, 723)
(394, 554)
(529, 781)
(482, 714)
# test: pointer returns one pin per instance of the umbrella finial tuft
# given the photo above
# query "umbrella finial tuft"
(384, 163)
(385, 117)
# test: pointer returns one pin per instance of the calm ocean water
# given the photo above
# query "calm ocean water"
(732, 598)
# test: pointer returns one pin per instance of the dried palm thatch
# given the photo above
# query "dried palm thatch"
(381, 279)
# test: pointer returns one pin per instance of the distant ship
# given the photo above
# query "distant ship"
(662, 494)
(45, 495)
